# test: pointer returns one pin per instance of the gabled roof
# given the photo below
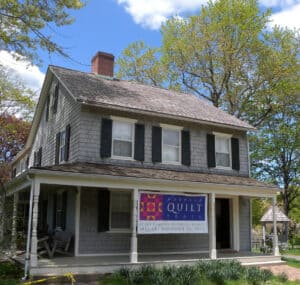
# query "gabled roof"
(94, 89)
(280, 216)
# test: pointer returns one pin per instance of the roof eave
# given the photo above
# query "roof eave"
(164, 115)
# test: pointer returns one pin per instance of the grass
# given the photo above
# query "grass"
(10, 274)
(295, 251)
(292, 262)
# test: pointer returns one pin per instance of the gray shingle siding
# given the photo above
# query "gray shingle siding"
(89, 145)
(245, 227)
(68, 112)
(93, 242)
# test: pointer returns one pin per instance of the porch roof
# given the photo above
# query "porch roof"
(159, 174)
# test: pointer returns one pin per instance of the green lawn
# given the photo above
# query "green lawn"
(295, 251)
(292, 262)
(10, 274)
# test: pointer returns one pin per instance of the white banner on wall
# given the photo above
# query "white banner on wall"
(172, 213)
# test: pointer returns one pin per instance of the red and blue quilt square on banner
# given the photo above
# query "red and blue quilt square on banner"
(172, 207)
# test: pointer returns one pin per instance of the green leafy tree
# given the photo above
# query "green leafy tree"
(28, 25)
(140, 63)
(276, 151)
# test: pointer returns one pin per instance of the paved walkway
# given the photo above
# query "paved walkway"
(297, 257)
(291, 272)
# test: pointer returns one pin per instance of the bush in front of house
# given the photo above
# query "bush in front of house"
(203, 273)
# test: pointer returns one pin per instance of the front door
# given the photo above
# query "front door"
(223, 223)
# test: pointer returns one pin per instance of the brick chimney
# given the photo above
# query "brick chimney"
(103, 63)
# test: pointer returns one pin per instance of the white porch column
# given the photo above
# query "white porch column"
(14, 224)
(35, 212)
(77, 220)
(134, 253)
(212, 226)
(264, 234)
(275, 237)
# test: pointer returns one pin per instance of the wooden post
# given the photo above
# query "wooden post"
(14, 225)
(134, 253)
(35, 213)
(275, 237)
(212, 226)
(77, 220)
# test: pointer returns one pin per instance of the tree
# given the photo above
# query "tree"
(276, 151)
(15, 98)
(226, 56)
(27, 25)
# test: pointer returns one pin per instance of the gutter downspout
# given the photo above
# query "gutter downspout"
(27, 255)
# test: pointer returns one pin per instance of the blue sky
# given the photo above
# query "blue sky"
(110, 25)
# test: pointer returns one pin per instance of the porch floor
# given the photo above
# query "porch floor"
(107, 264)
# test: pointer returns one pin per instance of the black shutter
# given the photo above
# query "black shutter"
(235, 151)
(185, 148)
(57, 145)
(156, 144)
(39, 156)
(55, 99)
(35, 158)
(211, 156)
(47, 108)
(54, 211)
(103, 210)
(64, 210)
(67, 142)
(139, 142)
(106, 136)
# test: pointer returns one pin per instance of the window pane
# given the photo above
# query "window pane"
(170, 153)
(122, 148)
(122, 131)
(120, 210)
(171, 137)
(222, 145)
(222, 159)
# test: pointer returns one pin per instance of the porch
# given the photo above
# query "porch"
(107, 264)
(105, 239)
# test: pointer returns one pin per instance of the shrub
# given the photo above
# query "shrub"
(9, 270)
(257, 276)
(282, 277)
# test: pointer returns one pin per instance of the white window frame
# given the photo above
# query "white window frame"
(171, 128)
(62, 146)
(228, 137)
(127, 121)
(120, 230)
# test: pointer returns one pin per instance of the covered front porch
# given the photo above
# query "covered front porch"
(99, 247)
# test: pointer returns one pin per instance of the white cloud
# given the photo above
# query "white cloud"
(28, 74)
(151, 13)
(288, 18)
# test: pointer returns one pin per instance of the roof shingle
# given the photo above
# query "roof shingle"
(97, 90)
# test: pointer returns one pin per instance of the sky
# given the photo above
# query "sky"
(111, 25)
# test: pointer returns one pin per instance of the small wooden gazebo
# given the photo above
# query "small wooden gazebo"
(282, 222)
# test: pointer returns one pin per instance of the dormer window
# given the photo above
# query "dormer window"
(122, 139)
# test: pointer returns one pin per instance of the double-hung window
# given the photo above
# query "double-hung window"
(223, 150)
(171, 145)
(62, 146)
(122, 139)
(120, 210)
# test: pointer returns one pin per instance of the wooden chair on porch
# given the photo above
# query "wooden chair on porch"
(61, 243)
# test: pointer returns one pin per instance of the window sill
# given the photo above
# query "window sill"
(122, 158)
(223, 167)
(171, 163)
(119, 231)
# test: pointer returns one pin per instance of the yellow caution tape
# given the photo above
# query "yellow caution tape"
(69, 276)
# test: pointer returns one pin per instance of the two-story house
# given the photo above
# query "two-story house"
(136, 173)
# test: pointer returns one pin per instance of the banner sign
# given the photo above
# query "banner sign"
(165, 213)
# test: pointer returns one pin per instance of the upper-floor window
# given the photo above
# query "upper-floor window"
(122, 139)
(171, 146)
(62, 146)
(223, 150)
